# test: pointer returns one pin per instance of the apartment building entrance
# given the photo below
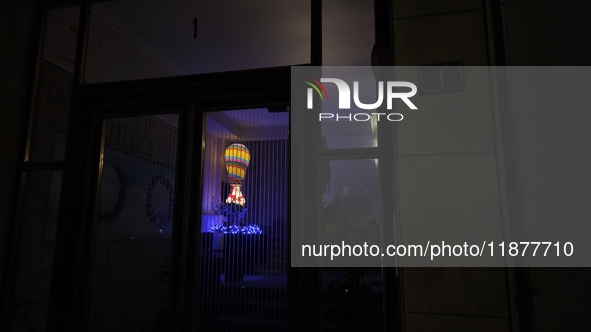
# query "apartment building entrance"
(161, 247)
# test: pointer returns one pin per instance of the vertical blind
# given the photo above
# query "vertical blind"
(243, 250)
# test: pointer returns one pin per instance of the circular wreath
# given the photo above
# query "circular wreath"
(107, 217)
(152, 218)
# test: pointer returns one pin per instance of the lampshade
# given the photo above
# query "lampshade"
(237, 158)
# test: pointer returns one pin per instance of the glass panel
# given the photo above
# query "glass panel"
(61, 33)
(344, 134)
(130, 276)
(136, 39)
(347, 32)
(350, 212)
(34, 261)
(54, 89)
(350, 208)
(244, 222)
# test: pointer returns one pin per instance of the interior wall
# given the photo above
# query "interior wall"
(550, 33)
(214, 171)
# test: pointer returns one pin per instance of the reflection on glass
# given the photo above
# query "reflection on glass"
(342, 134)
(136, 39)
(350, 209)
(350, 212)
(34, 260)
(61, 33)
(55, 85)
(347, 32)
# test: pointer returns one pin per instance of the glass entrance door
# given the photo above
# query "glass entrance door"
(158, 245)
(242, 258)
(130, 271)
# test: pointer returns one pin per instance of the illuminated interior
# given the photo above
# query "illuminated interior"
(244, 237)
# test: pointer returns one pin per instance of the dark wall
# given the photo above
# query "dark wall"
(429, 32)
(548, 33)
(553, 33)
(19, 22)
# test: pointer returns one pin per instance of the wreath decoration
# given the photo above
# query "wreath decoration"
(107, 217)
(155, 220)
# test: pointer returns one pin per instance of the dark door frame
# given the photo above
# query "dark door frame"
(187, 95)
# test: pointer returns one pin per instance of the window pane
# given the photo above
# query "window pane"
(350, 212)
(136, 39)
(347, 32)
(130, 289)
(61, 31)
(344, 134)
(350, 209)
(54, 88)
(34, 258)
(243, 270)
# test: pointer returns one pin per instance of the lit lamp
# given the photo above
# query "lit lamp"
(237, 159)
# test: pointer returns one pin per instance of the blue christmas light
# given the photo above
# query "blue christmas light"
(251, 229)
(234, 229)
